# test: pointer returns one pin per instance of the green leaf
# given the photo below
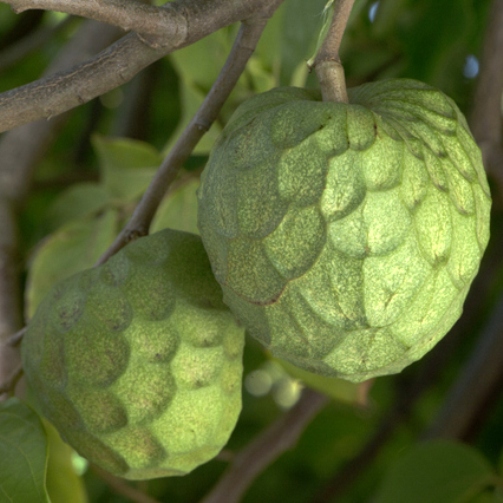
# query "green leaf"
(23, 454)
(261, 77)
(439, 471)
(127, 166)
(179, 209)
(80, 200)
(63, 483)
(71, 249)
(200, 63)
(302, 23)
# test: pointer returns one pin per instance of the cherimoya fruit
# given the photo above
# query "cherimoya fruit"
(138, 362)
(345, 236)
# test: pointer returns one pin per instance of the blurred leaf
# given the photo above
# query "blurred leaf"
(127, 166)
(268, 50)
(386, 16)
(63, 483)
(439, 471)
(338, 389)
(200, 63)
(262, 78)
(78, 201)
(23, 454)
(70, 249)
(301, 26)
(487, 497)
(179, 209)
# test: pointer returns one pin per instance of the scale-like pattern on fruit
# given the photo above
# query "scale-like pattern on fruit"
(138, 362)
(345, 236)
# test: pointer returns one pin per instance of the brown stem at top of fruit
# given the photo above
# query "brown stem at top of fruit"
(327, 62)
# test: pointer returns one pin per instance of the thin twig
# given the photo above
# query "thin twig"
(119, 63)
(15, 339)
(266, 448)
(244, 45)
(122, 487)
(327, 62)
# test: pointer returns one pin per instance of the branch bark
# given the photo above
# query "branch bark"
(242, 49)
(158, 25)
(486, 118)
(482, 375)
(191, 20)
(483, 372)
(266, 448)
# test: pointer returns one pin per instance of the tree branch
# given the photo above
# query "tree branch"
(486, 120)
(481, 376)
(266, 448)
(241, 51)
(47, 97)
(160, 25)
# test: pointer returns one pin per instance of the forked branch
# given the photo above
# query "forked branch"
(120, 62)
(242, 49)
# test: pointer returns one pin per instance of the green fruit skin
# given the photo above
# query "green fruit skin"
(138, 362)
(345, 236)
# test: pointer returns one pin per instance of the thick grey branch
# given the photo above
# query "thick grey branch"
(119, 63)
(242, 49)
(162, 24)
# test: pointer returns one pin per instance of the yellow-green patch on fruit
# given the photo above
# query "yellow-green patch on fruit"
(138, 362)
(345, 236)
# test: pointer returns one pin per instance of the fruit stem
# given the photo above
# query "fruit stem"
(327, 63)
